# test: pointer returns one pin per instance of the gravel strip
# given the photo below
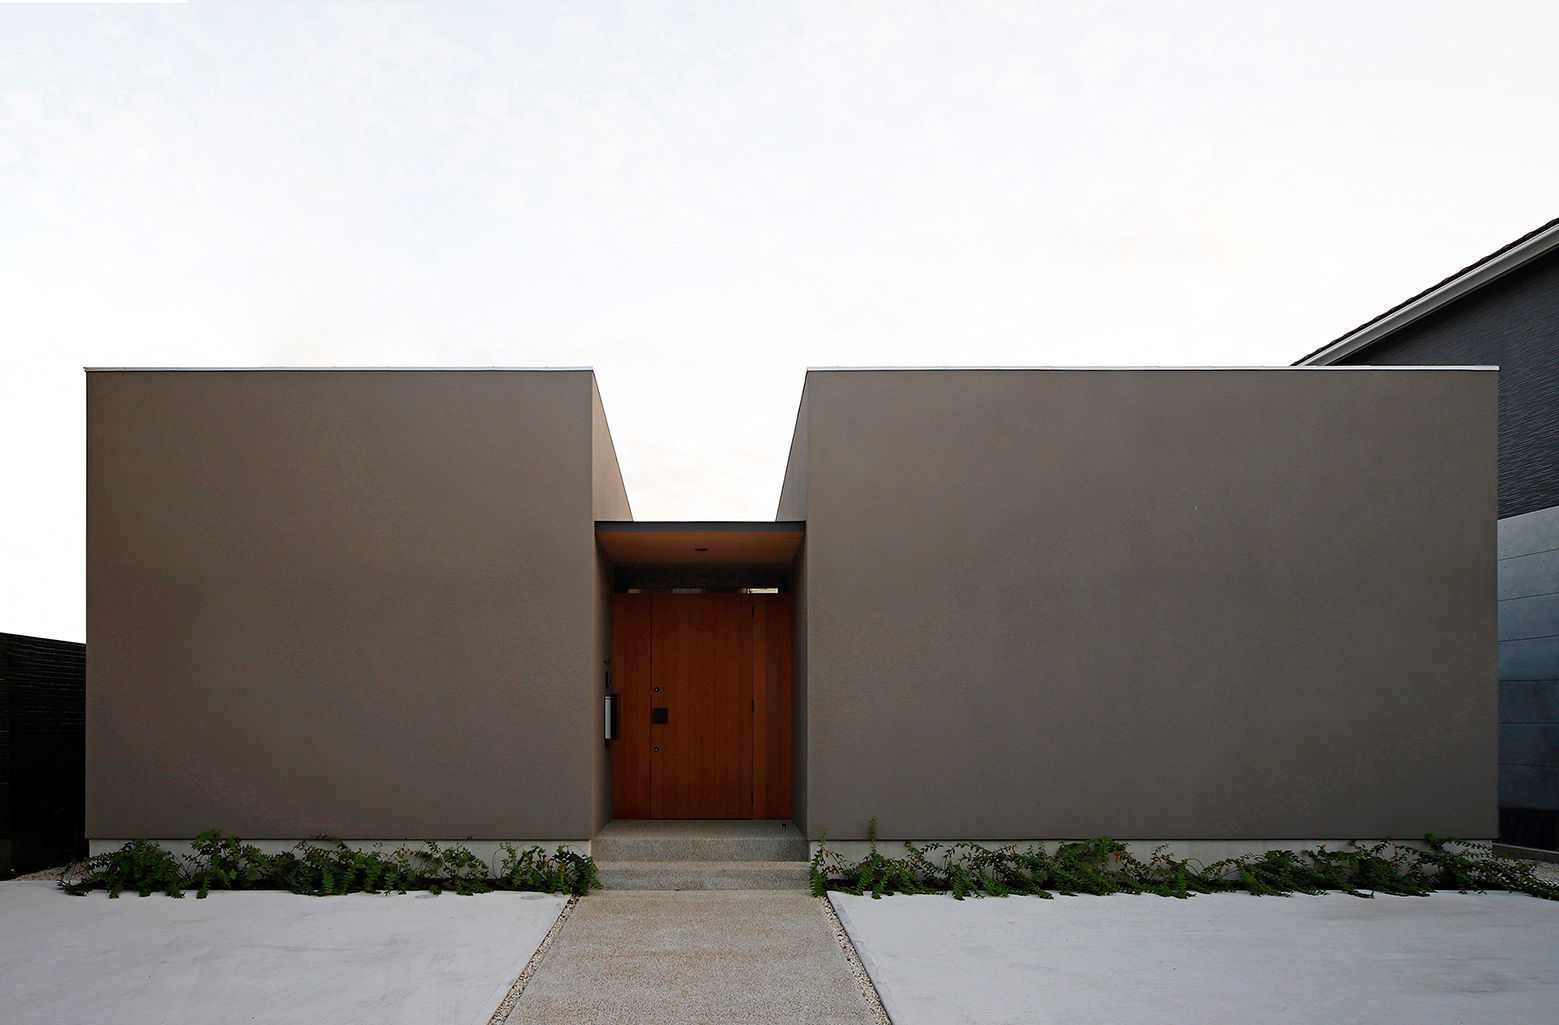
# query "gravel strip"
(501, 1015)
(868, 989)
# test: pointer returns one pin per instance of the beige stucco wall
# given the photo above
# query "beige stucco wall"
(362, 603)
(609, 502)
(793, 506)
(1148, 603)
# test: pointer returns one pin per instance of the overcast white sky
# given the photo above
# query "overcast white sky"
(701, 200)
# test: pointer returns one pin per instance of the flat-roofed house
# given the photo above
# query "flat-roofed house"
(994, 605)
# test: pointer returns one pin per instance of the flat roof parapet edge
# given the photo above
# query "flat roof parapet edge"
(326, 370)
(591, 369)
(1282, 367)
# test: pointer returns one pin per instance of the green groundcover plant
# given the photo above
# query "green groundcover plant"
(327, 866)
(1105, 866)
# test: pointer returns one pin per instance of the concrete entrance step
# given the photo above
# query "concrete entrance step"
(703, 875)
(704, 840)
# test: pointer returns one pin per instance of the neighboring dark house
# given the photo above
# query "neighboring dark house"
(42, 752)
(1504, 311)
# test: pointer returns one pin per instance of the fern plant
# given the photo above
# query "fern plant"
(1105, 866)
(326, 866)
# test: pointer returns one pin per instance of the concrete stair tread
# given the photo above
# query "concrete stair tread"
(700, 840)
(703, 875)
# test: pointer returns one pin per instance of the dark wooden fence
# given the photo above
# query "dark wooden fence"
(43, 689)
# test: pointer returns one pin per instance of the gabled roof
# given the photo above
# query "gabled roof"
(1470, 278)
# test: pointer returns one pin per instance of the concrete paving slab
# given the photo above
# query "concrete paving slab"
(262, 957)
(1218, 958)
(691, 958)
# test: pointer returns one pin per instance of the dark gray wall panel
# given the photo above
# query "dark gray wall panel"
(1532, 744)
(1530, 659)
(1529, 788)
(1525, 618)
(1529, 701)
(1529, 679)
(1527, 576)
(1528, 534)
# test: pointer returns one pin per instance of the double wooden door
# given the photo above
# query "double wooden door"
(703, 691)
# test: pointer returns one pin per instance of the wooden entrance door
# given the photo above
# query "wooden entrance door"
(703, 685)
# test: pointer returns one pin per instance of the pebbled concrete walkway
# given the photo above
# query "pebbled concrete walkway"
(694, 957)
